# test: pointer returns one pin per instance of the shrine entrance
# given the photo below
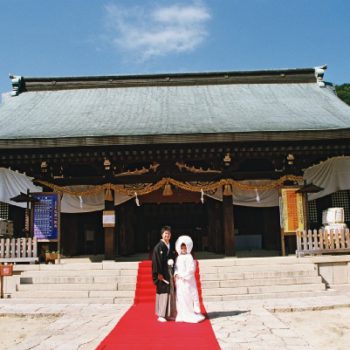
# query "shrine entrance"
(138, 227)
(82, 234)
(257, 228)
(184, 219)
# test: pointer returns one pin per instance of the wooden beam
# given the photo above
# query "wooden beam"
(152, 178)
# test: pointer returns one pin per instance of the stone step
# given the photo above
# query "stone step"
(105, 265)
(222, 279)
(340, 287)
(262, 289)
(112, 294)
(28, 279)
(66, 287)
(252, 275)
(54, 301)
(261, 282)
(257, 268)
(64, 294)
(285, 295)
(276, 260)
(121, 278)
(76, 286)
(120, 264)
(79, 273)
(42, 294)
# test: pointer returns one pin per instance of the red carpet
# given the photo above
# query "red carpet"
(139, 328)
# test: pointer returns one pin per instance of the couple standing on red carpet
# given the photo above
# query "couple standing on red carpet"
(177, 295)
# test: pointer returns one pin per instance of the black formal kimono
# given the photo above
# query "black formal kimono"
(165, 292)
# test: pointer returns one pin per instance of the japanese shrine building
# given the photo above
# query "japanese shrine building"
(196, 129)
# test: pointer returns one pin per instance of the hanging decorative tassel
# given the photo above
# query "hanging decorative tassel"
(227, 190)
(108, 195)
(167, 190)
(202, 196)
(257, 197)
(137, 200)
(81, 202)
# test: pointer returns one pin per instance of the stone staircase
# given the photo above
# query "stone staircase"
(257, 278)
(115, 282)
(102, 283)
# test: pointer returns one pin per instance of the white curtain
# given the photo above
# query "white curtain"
(82, 204)
(332, 175)
(121, 198)
(13, 183)
(251, 198)
(85, 204)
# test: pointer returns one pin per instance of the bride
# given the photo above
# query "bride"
(187, 301)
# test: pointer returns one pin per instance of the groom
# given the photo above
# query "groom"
(161, 276)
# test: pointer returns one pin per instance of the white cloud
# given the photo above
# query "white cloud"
(192, 14)
(147, 33)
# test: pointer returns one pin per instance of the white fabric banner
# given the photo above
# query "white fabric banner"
(121, 198)
(82, 204)
(251, 198)
(332, 175)
(13, 183)
(255, 198)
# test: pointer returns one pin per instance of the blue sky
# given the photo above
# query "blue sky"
(98, 37)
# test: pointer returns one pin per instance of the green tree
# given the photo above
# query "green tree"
(343, 92)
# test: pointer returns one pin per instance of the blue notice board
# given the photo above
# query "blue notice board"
(46, 216)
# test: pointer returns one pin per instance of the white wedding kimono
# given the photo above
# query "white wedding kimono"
(187, 301)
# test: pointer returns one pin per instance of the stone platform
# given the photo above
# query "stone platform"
(240, 324)
(253, 303)
(223, 279)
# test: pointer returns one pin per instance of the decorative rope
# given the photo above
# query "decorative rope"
(143, 189)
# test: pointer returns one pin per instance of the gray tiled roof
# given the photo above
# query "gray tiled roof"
(152, 110)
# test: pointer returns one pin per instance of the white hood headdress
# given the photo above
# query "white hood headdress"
(186, 240)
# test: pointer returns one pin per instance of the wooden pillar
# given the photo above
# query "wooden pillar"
(110, 239)
(131, 215)
(211, 225)
(122, 228)
(215, 227)
(228, 226)
(219, 234)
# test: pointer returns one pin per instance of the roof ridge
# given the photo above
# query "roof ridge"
(286, 75)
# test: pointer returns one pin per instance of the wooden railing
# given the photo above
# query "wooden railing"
(18, 250)
(322, 241)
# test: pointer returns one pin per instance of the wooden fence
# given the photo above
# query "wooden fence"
(322, 241)
(18, 250)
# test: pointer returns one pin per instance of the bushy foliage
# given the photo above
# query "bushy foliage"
(343, 92)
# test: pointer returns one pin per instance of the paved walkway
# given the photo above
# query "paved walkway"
(263, 325)
(75, 326)
(244, 324)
